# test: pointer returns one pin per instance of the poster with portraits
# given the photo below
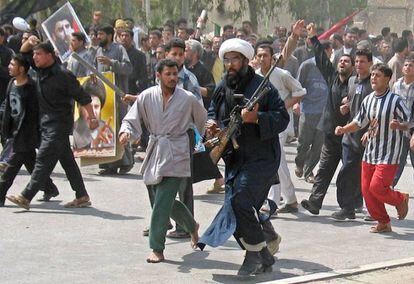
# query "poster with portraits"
(99, 142)
(59, 28)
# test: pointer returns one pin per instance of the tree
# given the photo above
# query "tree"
(324, 12)
(256, 8)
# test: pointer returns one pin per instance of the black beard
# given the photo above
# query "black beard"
(233, 80)
(103, 43)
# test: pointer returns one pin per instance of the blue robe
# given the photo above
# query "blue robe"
(250, 170)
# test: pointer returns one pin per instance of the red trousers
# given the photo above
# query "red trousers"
(375, 185)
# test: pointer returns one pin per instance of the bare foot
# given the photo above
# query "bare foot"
(155, 257)
(194, 236)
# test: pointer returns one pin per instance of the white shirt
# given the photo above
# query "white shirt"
(286, 85)
(384, 147)
(168, 150)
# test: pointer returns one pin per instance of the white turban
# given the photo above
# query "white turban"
(236, 45)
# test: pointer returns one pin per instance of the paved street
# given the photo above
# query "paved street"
(104, 243)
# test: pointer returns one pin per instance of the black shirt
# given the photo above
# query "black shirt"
(331, 116)
(16, 110)
(358, 90)
(57, 90)
(205, 79)
(138, 79)
(5, 57)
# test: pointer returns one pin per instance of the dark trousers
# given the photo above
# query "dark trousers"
(348, 182)
(403, 159)
(186, 194)
(15, 162)
(330, 156)
(310, 141)
(246, 203)
(54, 148)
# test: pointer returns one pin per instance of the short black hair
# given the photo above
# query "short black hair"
(353, 30)
(2, 32)
(264, 46)
(385, 31)
(22, 61)
(165, 63)
(155, 32)
(129, 31)
(364, 52)
(175, 42)
(169, 23)
(9, 28)
(79, 36)
(400, 44)
(409, 58)
(108, 29)
(406, 33)
(361, 32)
(338, 37)
(181, 21)
(350, 57)
(227, 27)
(46, 47)
(383, 68)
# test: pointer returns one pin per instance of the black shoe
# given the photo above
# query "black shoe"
(107, 172)
(49, 194)
(252, 264)
(310, 207)
(343, 214)
(2, 201)
(125, 169)
(267, 259)
(359, 210)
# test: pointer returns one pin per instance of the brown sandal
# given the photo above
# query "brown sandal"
(381, 228)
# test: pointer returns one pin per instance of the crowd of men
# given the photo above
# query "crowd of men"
(348, 99)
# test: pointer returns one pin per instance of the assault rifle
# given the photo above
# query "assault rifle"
(219, 143)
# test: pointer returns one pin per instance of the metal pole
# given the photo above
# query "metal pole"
(148, 12)
(184, 9)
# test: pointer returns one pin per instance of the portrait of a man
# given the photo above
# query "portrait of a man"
(98, 142)
(59, 28)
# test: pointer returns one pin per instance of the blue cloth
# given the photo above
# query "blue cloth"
(223, 225)
(250, 170)
(317, 90)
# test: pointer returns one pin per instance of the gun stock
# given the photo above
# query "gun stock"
(218, 149)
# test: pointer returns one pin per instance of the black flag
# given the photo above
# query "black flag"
(23, 8)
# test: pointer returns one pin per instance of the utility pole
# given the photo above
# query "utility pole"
(148, 12)
(127, 9)
(184, 9)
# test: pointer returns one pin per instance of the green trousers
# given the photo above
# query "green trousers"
(166, 206)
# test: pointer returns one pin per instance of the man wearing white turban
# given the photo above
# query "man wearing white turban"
(251, 169)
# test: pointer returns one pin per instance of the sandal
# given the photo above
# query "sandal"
(381, 228)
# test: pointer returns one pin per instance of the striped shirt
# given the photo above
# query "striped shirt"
(384, 145)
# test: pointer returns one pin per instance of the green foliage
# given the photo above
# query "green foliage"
(324, 12)
(111, 10)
